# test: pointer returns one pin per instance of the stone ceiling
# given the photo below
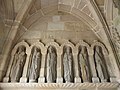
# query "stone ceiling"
(10, 8)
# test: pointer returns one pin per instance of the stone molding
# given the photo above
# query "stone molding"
(60, 85)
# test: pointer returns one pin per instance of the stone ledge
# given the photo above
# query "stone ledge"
(59, 85)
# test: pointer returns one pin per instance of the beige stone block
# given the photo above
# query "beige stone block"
(49, 9)
(77, 2)
(47, 3)
(81, 4)
(67, 2)
(63, 7)
(56, 18)
(86, 10)
(55, 26)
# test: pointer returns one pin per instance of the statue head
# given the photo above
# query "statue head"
(83, 49)
(20, 49)
(97, 48)
(51, 49)
(35, 49)
(68, 49)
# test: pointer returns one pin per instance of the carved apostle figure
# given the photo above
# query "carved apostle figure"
(51, 65)
(67, 63)
(34, 69)
(84, 65)
(19, 61)
(100, 64)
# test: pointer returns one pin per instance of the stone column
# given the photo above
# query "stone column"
(59, 67)
(77, 78)
(95, 79)
(7, 77)
(41, 78)
(24, 77)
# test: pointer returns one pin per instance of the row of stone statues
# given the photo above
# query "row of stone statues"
(51, 63)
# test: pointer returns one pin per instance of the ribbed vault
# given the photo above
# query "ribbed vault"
(82, 9)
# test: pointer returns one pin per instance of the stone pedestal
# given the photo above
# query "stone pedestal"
(41, 80)
(59, 80)
(23, 80)
(6, 79)
(77, 80)
(95, 79)
(32, 81)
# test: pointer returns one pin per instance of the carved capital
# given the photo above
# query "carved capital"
(44, 52)
(90, 52)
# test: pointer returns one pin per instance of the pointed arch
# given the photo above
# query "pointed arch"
(104, 49)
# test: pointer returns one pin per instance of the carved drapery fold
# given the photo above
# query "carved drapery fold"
(83, 62)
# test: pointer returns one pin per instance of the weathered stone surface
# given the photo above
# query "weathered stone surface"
(59, 23)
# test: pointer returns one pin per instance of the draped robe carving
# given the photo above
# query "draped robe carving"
(100, 64)
(84, 65)
(34, 69)
(51, 65)
(18, 64)
(67, 63)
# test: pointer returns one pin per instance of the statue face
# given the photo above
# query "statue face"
(20, 49)
(50, 49)
(68, 49)
(35, 49)
(82, 49)
(97, 48)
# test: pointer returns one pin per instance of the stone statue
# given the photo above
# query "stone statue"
(18, 64)
(100, 64)
(51, 65)
(68, 65)
(34, 69)
(84, 65)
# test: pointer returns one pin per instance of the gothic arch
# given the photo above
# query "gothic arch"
(104, 49)
(56, 45)
(23, 43)
(82, 43)
(40, 45)
(68, 43)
